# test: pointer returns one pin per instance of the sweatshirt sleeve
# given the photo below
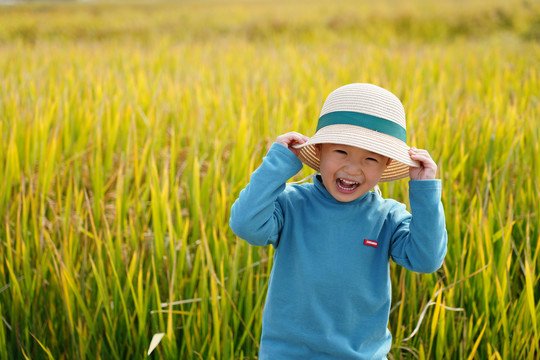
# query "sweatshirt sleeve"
(256, 215)
(419, 241)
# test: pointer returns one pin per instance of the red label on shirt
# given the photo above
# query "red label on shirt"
(370, 243)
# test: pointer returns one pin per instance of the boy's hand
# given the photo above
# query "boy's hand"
(427, 169)
(290, 139)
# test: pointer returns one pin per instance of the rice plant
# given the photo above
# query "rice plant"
(127, 130)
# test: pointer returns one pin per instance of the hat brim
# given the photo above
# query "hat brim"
(363, 138)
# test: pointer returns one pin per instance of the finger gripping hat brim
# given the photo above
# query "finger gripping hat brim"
(364, 116)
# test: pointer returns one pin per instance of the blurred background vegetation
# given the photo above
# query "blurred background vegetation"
(382, 21)
(129, 127)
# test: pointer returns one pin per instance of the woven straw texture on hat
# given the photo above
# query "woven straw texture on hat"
(380, 105)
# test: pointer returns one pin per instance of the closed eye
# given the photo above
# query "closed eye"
(372, 159)
(341, 152)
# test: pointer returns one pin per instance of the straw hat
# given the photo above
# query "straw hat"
(365, 116)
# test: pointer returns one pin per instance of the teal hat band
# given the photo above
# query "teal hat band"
(364, 120)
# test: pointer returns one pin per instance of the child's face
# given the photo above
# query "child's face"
(349, 172)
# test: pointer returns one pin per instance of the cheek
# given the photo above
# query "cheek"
(373, 170)
(325, 161)
(327, 170)
(377, 173)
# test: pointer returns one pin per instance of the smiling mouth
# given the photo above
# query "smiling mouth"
(346, 186)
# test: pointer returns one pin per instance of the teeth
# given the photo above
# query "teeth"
(347, 185)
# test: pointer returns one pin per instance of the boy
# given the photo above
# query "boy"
(329, 290)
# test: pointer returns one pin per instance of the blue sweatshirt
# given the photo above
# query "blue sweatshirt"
(329, 292)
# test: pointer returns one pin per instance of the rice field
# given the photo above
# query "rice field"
(127, 129)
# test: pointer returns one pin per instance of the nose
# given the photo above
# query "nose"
(353, 168)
